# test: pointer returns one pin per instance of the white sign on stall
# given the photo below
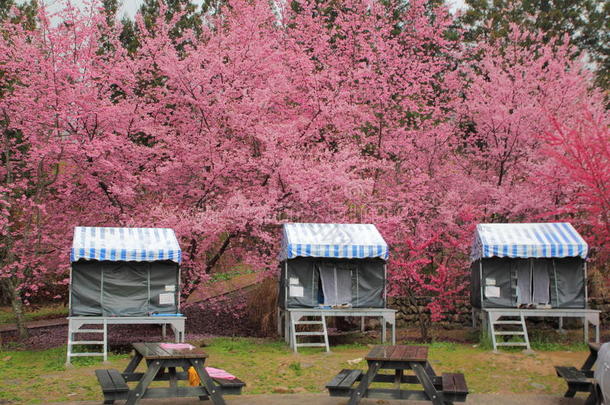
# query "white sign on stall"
(296, 291)
(492, 291)
(166, 299)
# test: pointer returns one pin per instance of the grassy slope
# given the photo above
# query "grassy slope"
(33, 313)
(40, 376)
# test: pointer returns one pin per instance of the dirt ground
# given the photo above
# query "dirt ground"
(323, 399)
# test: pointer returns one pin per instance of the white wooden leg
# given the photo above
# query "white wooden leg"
(105, 341)
(293, 336)
(585, 323)
(279, 322)
(597, 332)
(69, 348)
(287, 327)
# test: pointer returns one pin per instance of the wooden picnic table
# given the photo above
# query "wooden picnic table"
(439, 390)
(580, 380)
(163, 364)
(592, 358)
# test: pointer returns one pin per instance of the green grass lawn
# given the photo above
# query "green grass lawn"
(269, 366)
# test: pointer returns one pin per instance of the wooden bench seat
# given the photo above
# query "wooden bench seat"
(229, 387)
(577, 380)
(454, 386)
(342, 383)
(113, 385)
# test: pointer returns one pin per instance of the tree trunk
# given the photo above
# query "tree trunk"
(10, 288)
(423, 319)
(424, 326)
(225, 244)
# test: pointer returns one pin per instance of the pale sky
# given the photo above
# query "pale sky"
(130, 7)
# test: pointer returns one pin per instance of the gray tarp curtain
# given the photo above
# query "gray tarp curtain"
(508, 282)
(570, 291)
(86, 289)
(359, 282)
(541, 285)
(336, 283)
(103, 288)
(524, 281)
(496, 273)
(533, 281)
(125, 289)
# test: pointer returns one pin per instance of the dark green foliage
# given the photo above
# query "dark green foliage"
(587, 22)
(27, 12)
(192, 19)
(5, 6)
(129, 35)
(110, 9)
(129, 32)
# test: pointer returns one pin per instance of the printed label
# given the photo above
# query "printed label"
(492, 291)
(296, 291)
(166, 299)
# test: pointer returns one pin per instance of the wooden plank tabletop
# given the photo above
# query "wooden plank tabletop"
(153, 351)
(398, 353)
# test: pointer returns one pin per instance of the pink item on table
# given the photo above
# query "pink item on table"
(176, 346)
(218, 373)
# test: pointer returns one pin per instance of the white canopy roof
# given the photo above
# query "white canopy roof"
(125, 244)
(534, 240)
(346, 241)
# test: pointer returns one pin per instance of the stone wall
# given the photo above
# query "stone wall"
(408, 314)
(603, 304)
(461, 314)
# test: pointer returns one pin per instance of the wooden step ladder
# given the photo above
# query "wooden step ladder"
(520, 329)
(74, 331)
(294, 333)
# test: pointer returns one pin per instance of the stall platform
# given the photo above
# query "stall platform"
(289, 319)
(492, 318)
(76, 323)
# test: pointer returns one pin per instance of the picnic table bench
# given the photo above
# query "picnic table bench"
(440, 390)
(580, 380)
(163, 365)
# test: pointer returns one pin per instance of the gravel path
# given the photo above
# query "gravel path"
(324, 399)
(45, 323)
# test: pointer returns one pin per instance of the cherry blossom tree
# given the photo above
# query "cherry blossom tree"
(582, 149)
(67, 139)
(358, 111)
(519, 89)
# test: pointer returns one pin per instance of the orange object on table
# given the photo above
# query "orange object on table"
(194, 379)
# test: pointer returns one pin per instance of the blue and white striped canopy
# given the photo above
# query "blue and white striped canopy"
(125, 244)
(558, 239)
(345, 241)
